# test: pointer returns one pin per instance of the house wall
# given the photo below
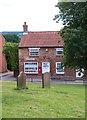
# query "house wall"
(44, 56)
(3, 67)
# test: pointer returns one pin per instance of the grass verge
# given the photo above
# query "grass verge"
(59, 101)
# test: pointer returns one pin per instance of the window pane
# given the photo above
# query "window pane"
(31, 67)
(59, 51)
(33, 51)
(59, 67)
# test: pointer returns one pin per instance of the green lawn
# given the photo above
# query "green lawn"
(60, 101)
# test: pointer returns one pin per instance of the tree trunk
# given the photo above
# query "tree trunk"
(16, 73)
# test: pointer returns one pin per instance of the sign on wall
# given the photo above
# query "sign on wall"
(45, 67)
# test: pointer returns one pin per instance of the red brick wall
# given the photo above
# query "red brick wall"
(45, 56)
(2, 57)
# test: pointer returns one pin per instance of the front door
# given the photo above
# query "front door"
(45, 67)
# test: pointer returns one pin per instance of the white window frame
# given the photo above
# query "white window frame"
(32, 51)
(59, 72)
(29, 72)
(60, 49)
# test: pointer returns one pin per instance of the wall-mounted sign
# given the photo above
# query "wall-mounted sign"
(30, 58)
(45, 67)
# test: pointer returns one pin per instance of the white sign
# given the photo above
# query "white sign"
(30, 58)
(45, 67)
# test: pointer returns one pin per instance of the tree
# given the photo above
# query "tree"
(11, 38)
(11, 52)
(74, 33)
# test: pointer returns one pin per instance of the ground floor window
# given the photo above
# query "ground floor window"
(31, 67)
(59, 68)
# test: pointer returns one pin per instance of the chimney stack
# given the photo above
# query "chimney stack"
(25, 28)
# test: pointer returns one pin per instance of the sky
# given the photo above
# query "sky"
(38, 14)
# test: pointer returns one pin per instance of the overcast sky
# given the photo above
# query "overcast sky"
(38, 14)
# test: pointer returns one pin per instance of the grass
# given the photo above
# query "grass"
(59, 101)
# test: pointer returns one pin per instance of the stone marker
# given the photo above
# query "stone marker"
(21, 80)
(46, 80)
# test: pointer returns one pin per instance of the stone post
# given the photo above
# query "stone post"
(46, 80)
(21, 80)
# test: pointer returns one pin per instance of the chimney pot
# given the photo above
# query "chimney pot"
(24, 23)
(25, 28)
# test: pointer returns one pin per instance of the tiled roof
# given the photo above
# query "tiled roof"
(41, 39)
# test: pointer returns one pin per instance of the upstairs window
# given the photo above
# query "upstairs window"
(59, 51)
(59, 68)
(34, 51)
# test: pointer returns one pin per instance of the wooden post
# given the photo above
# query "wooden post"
(42, 80)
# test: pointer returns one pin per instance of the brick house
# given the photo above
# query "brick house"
(2, 57)
(41, 52)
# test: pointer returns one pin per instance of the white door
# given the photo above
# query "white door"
(45, 67)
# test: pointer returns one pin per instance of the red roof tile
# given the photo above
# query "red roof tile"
(41, 39)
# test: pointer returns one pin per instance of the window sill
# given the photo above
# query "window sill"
(30, 73)
(59, 54)
(34, 55)
(60, 73)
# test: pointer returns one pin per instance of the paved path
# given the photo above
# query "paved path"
(9, 76)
